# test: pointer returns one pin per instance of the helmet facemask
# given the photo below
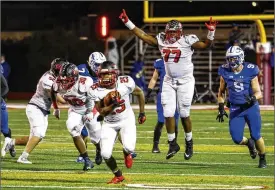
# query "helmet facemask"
(173, 31)
(107, 79)
(68, 76)
(234, 61)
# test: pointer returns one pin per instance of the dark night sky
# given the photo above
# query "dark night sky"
(41, 15)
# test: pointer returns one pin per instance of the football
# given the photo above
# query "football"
(107, 100)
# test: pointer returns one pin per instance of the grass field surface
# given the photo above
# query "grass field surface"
(217, 162)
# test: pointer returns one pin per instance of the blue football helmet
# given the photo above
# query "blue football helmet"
(234, 56)
(95, 60)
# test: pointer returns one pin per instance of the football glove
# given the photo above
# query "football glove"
(148, 95)
(221, 113)
(141, 118)
(250, 100)
(123, 16)
(56, 113)
(211, 25)
(88, 117)
(100, 118)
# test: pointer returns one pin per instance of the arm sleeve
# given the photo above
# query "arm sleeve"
(191, 39)
(255, 71)
(48, 82)
(4, 86)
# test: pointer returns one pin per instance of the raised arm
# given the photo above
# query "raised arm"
(211, 26)
(137, 31)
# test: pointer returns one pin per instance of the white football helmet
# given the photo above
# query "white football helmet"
(95, 60)
(234, 56)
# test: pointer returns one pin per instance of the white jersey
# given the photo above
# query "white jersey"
(77, 96)
(41, 97)
(177, 56)
(125, 86)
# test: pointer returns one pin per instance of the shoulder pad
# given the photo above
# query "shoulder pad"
(85, 83)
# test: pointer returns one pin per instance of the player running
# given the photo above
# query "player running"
(241, 81)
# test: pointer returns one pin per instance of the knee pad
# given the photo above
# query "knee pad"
(106, 155)
(74, 129)
(168, 112)
(237, 140)
(38, 132)
(256, 136)
(184, 111)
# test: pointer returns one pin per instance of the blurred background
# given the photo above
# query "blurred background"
(34, 33)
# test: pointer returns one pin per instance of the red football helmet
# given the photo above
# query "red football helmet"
(68, 76)
(173, 31)
(108, 74)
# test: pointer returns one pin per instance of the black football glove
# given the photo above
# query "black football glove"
(250, 100)
(221, 113)
(148, 95)
(141, 118)
(228, 104)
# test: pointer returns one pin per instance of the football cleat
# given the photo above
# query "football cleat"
(155, 148)
(12, 148)
(128, 160)
(116, 180)
(23, 160)
(188, 149)
(79, 159)
(262, 161)
(6, 146)
(173, 149)
(98, 157)
(252, 149)
(88, 164)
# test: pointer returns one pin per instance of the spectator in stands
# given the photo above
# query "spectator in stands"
(111, 51)
(5, 66)
(256, 39)
(234, 36)
(250, 53)
(137, 73)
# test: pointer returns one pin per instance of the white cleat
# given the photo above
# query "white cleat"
(23, 160)
(6, 146)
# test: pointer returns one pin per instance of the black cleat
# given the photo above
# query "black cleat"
(188, 149)
(12, 148)
(98, 157)
(252, 149)
(173, 149)
(262, 161)
(88, 164)
(155, 148)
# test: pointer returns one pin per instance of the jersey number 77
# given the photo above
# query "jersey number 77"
(167, 53)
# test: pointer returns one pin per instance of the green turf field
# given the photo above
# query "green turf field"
(216, 164)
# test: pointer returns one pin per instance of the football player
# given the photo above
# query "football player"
(241, 81)
(5, 130)
(159, 72)
(38, 109)
(90, 69)
(178, 85)
(112, 102)
(74, 90)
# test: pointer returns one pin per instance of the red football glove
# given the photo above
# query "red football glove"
(141, 118)
(211, 25)
(123, 16)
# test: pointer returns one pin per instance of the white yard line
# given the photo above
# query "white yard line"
(135, 173)
(151, 107)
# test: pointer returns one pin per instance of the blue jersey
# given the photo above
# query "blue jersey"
(83, 71)
(159, 65)
(239, 84)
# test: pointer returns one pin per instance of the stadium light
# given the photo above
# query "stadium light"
(254, 4)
